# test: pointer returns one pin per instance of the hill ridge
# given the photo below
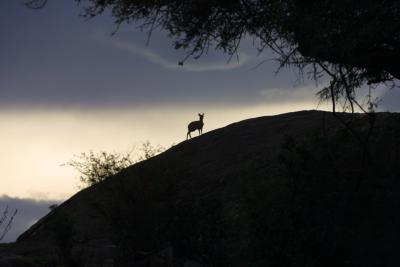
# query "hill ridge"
(220, 199)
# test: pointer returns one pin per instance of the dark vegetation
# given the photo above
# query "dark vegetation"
(96, 167)
(270, 191)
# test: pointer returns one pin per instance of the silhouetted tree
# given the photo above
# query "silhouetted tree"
(94, 168)
(352, 42)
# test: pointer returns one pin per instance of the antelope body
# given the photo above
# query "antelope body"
(195, 125)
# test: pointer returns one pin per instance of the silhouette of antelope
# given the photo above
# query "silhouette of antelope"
(195, 125)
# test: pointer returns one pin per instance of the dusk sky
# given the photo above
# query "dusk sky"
(68, 86)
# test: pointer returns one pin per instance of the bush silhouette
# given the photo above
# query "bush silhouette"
(96, 167)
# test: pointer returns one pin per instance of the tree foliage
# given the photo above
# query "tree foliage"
(352, 42)
(96, 167)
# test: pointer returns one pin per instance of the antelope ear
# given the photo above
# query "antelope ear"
(199, 114)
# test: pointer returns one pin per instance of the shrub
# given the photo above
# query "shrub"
(96, 167)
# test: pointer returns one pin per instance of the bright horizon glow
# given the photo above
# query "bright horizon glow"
(36, 142)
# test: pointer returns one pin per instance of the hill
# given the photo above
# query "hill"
(297, 189)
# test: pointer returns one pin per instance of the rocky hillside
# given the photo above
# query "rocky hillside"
(298, 189)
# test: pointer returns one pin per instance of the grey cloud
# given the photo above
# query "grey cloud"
(29, 211)
(80, 65)
(158, 59)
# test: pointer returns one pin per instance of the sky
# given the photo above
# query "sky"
(67, 86)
